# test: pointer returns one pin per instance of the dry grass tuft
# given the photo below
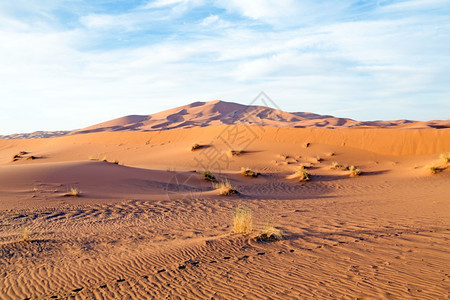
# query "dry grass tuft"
(302, 174)
(318, 158)
(433, 169)
(330, 154)
(242, 220)
(208, 176)
(354, 171)
(74, 192)
(225, 188)
(335, 165)
(249, 173)
(235, 152)
(25, 234)
(105, 159)
(306, 145)
(195, 147)
(269, 233)
(445, 157)
(93, 158)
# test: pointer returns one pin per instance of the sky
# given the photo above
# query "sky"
(68, 64)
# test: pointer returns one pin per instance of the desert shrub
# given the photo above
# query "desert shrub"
(105, 159)
(235, 152)
(25, 234)
(354, 171)
(195, 147)
(318, 158)
(330, 154)
(242, 220)
(306, 145)
(225, 188)
(335, 165)
(432, 169)
(445, 157)
(208, 176)
(249, 173)
(269, 233)
(73, 192)
(302, 174)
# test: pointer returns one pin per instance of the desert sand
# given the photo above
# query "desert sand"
(146, 225)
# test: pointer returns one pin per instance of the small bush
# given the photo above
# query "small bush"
(302, 174)
(208, 176)
(242, 220)
(25, 234)
(249, 173)
(225, 188)
(105, 159)
(433, 169)
(445, 157)
(354, 172)
(284, 156)
(335, 165)
(330, 154)
(235, 152)
(270, 233)
(195, 147)
(306, 145)
(318, 158)
(74, 192)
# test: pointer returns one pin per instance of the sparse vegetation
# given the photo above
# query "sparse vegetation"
(116, 162)
(105, 159)
(306, 145)
(235, 152)
(302, 174)
(208, 176)
(269, 233)
(330, 154)
(249, 173)
(284, 156)
(433, 169)
(318, 158)
(73, 192)
(93, 158)
(242, 220)
(225, 188)
(354, 171)
(445, 158)
(335, 165)
(25, 234)
(195, 147)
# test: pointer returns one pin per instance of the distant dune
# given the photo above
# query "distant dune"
(214, 113)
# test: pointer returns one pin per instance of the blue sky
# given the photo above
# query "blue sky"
(69, 64)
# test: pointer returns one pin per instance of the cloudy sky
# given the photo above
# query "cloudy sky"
(67, 64)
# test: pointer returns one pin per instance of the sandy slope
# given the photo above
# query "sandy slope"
(150, 227)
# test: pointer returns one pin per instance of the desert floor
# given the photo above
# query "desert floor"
(150, 227)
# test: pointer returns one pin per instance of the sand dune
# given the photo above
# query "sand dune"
(146, 225)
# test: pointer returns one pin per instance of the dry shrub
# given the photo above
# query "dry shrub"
(302, 174)
(306, 145)
(195, 147)
(249, 173)
(335, 165)
(25, 234)
(432, 169)
(208, 176)
(74, 192)
(445, 158)
(318, 158)
(330, 154)
(242, 220)
(354, 171)
(225, 188)
(235, 152)
(269, 233)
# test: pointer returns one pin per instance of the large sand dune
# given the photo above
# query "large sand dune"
(150, 227)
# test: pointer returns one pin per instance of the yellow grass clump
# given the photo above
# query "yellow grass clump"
(269, 233)
(25, 234)
(242, 220)
(335, 165)
(354, 171)
(74, 192)
(195, 147)
(249, 173)
(318, 158)
(225, 188)
(302, 174)
(445, 158)
(432, 169)
(208, 176)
